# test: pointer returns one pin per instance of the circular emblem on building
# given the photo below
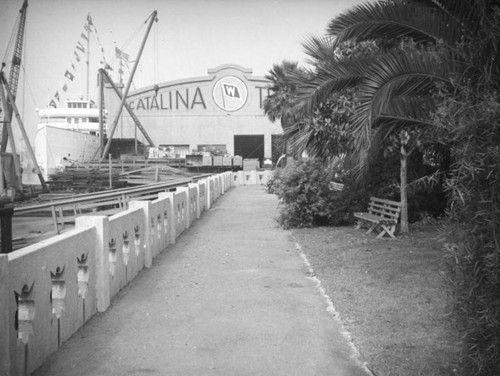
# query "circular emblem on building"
(230, 93)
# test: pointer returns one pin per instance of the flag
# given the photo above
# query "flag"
(231, 91)
(69, 75)
(121, 55)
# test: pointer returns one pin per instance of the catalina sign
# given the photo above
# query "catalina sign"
(223, 110)
(229, 88)
(230, 93)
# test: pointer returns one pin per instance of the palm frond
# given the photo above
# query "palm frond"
(396, 19)
(397, 87)
(319, 49)
(403, 75)
(333, 77)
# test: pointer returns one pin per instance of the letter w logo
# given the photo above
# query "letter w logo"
(231, 91)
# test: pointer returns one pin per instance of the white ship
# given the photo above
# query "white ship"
(67, 135)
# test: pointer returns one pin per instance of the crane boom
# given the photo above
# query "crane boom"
(15, 71)
(15, 68)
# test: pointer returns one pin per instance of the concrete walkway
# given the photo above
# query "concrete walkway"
(231, 297)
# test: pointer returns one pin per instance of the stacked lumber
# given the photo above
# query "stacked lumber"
(153, 174)
(88, 180)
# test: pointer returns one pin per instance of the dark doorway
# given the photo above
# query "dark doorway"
(249, 146)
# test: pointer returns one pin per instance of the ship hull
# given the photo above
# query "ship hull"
(56, 148)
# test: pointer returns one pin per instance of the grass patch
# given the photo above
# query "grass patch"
(392, 296)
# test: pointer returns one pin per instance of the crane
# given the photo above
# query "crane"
(15, 68)
(8, 91)
(18, 51)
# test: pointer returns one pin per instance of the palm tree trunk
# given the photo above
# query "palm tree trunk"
(404, 187)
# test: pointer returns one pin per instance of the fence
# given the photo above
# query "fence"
(51, 289)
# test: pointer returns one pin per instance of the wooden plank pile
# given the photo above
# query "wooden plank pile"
(153, 174)
(88, 180)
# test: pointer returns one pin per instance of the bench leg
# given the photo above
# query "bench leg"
(359, 224)
(387, 229)
(373, 226)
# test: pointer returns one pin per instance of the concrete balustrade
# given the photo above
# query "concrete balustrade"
(202, 196)
(211, 192)
(250, 177)
(194, 202)
(126, 256)
(237, 178)
(50, 289)
(51, 294)
(180, 208)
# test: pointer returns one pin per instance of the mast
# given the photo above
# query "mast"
(89, 22)
(125, 93)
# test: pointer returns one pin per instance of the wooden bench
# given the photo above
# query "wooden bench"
(382, 215)
(334, 186)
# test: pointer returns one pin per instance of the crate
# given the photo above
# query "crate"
(250, 164)
(227, 161)
(217, 160)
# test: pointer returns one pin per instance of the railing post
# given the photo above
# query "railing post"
(148, 251)
(197, 186)
(188, 214)
(173, 217)
(209, 190)
(6, 213)
(5, 321)
(101, 224)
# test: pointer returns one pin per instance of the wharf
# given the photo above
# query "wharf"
(231, 297)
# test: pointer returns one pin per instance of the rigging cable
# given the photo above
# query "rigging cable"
(155, 54)
(10, 46)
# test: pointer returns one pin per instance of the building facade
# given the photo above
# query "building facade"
(221, 113)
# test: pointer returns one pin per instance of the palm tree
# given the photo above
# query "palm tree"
(451, 40)
(280, 103)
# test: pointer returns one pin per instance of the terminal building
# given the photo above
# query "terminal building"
(219, 114)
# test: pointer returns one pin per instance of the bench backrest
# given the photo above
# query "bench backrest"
(334, 186)
(385, 208)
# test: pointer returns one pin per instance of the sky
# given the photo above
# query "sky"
(190, 37)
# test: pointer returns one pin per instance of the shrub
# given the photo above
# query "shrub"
(273, 183)
(306, 198)
(471, 125)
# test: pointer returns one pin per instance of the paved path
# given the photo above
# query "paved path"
(231, 297)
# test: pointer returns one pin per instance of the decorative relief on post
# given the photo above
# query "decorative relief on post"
(112, 257)
(152, 229)
(25, 313)
(83, 275)
(58, 292)
(165, 221)
(137, 239)
(125, 248)
(193, 204)
(158, 226)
